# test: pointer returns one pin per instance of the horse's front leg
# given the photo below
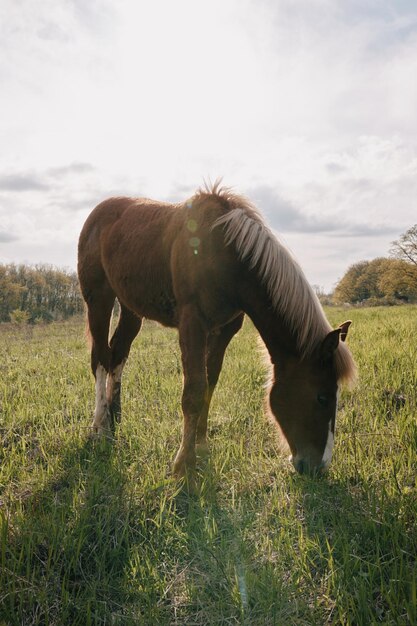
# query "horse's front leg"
(216, 346)
(193, 342)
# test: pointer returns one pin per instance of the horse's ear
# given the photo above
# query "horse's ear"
(329, 344)
(331, 341)
(344, 330)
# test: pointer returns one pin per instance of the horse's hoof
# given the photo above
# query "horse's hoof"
(202, 450)
(178, 469)
(101, 431)
(187, 475)
(189, 484)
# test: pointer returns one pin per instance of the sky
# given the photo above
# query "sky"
(308, 107)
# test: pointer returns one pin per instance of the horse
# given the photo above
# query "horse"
(200, 266)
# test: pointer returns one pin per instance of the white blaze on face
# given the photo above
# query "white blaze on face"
(328, 450)
(100, 411)
(327, 456)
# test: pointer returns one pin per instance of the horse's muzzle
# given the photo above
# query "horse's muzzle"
(303, 466)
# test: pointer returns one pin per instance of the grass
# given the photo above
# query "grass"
(98, 532)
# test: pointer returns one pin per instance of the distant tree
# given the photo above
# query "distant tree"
(399, 280)
(10, 293)
(42, 292)
(405, 248)
(382, 281)
(350, 288)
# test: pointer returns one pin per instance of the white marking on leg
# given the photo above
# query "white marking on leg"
(114, 377)
(100, 412)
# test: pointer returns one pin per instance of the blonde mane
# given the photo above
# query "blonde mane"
(285, 282)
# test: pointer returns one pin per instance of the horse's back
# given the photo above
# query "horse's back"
(126, 246)
(115, 224)
(106, 214)
(156, 257)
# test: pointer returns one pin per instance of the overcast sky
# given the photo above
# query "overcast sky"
(306, 106)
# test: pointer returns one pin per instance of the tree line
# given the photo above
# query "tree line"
(389, 280)
(38, 293)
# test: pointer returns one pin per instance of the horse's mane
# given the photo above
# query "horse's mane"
(290, 293)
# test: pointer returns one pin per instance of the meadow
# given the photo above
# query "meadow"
(99, 533)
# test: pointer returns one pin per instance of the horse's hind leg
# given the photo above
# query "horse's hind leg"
(100, 306)
(127, 328)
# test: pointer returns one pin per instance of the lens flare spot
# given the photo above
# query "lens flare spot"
(194, 242)
(192, 226)
(189, 204)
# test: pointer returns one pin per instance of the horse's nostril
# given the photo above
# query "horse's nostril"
(300, 466)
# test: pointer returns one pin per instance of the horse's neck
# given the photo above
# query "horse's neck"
(275, 331)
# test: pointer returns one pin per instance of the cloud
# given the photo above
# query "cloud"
(335, 168)
(76, 168)
(308, 106)
(180, 192)
(282, 214)
(7, 237)
(97, 17)
(68, 187)
(340, 68)
(285, 217)
(366, 230)
(22, 182)
(52, 32)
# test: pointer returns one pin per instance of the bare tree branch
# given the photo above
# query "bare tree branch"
(405, 247)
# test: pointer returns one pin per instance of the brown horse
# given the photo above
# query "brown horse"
(199, 267)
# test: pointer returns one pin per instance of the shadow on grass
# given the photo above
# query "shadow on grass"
(65, 550)
(341, 553)
(90, 548)
(209, 587)
(226, 577)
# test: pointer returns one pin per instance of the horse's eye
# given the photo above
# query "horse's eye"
(323, 400)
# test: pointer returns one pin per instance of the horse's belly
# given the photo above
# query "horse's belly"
(158, 305)
(162, 308)
(142, 289)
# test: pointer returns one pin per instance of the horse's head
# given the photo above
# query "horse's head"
(303, 399)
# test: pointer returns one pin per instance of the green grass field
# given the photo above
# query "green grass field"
(98, 533)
